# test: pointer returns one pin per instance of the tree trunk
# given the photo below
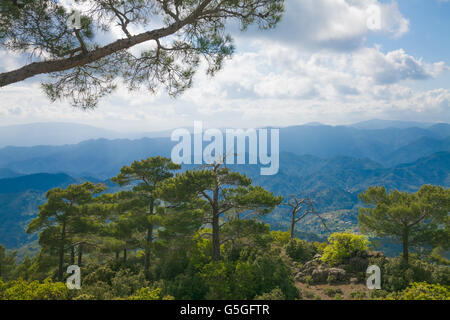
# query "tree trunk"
(216, 227)
(148, 252)
(148, 246)
(216, 238)
(72, 255)
(405, 246)
(61, 252)
(125, 255)
(293, 226)
(80, 254)
(117, 255)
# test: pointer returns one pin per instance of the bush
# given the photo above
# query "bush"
(422, 291)
(358, 295)
(300, 251)
(343, 246)
(275, 294)
(331, 292)
(149, 294)
(281, 238)
(331, 279)
(23, 290)
(309, 295)
(397, 275)
(248, 277)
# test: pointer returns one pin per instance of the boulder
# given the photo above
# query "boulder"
(354, 280)
(299, 277)
(309, 267)
(338, 274)
(319, 275)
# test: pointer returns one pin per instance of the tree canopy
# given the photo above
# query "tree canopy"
(416, 218)
(88, 56)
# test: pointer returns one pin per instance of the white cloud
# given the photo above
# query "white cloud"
(394, 66)
(339, 25)
(315, 67)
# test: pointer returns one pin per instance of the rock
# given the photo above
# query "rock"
(354, 280)
(320, 275)
(299, 277)
(375, 254)
(309, 267)
(338, 274)
(317, 257)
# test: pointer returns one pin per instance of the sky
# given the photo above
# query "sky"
(328, 61)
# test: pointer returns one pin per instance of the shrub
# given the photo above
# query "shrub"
(331, 292)
(342, 246)
(309, 294)
(275, 294)
(247, 278)
(358, 295)
(23, 290)
(300, 251)
(148, 294)
(338, 296)
(422, 291)
(397, 275)
(280, 237)
(331, 279)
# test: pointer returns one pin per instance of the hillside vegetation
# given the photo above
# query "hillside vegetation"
(200, 234)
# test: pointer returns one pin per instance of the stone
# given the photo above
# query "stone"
(354, 280)
(320, 275)
(338, 274)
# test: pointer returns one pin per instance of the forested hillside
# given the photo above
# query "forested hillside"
(159, 232)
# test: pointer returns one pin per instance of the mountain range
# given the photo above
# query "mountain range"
(330, 164)
(61, 133)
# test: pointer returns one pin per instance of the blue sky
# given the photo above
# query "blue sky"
(323, 63)
(429, 32)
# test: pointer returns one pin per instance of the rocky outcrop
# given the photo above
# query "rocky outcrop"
(317, 272)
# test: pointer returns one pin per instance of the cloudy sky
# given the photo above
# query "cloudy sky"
(329, 61)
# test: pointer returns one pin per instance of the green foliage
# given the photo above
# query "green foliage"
(416, 218)
(342, 246)
(23, 290)
(149, 294)
(246, 279)
(301, 251)
(331, 292)
(222, 192)
(358, 295)
(192, 31)
(281, 238)
(397, 275)
(422, 291)
(275, 294)
(64, 216)
(7, 263)
(338, 296)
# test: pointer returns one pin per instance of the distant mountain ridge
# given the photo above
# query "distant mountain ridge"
(334, 184)
(384, 124)
(330, 164)
(103, 158)
(60, 133)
